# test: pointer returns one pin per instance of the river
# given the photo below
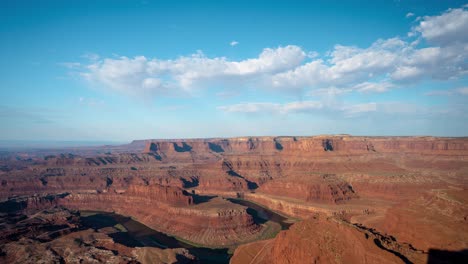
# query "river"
(139, 235)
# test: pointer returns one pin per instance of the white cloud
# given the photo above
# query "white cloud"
(312, 54)
(329, 92)
(457, 91)
(303, 106)
(125, 75)
(373, 87)
(250, 107)
(439, 93)
(227, 94)
(319, 108)
(152, 83)
(376, 59)
(291, 68)
(347, 66)
(364, 87)
(354, 109)
(436, 62)
(447, 28)
(269, 61)
(143, 75)
(407, 73)
(292, 107)
(463, 90)
(234, 43)
(408, 15)
(309, 74)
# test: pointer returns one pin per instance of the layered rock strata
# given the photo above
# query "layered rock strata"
(389, 184)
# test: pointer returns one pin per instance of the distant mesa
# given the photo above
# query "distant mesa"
(315, 145)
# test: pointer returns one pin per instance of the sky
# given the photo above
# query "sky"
(125, 70)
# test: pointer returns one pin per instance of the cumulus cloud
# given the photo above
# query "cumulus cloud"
(233, 43)
(143, 75)
(346, 66)
(408, 15)
(125, 75)
(446, 29)
(383, 65)
(402, 61)
(407, 73)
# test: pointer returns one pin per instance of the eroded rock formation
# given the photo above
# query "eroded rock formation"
(216, 222)
(326, 240)
(386, 184)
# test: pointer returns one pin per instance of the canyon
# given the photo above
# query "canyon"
(318, 199)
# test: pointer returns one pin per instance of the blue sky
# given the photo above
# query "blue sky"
(123, 70)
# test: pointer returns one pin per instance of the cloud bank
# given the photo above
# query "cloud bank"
(436, 48)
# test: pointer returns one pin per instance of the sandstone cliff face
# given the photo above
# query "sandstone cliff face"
(150, 147)
(165, 194)
(321, 188)
(311, 146)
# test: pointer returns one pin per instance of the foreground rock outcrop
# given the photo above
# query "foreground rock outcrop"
(318, 240)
